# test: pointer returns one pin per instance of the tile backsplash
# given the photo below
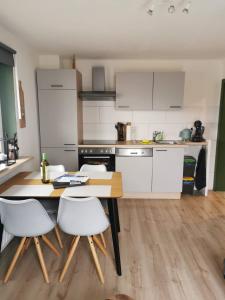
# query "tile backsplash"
(100, 118)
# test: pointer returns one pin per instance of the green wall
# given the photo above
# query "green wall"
(7, 100)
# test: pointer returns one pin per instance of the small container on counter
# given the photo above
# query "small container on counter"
(128, 132)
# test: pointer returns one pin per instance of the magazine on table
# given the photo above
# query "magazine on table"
(69, 180)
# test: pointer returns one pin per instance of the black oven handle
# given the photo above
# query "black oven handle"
(96, 156)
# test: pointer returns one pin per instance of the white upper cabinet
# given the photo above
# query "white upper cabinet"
(57, 79)
(134, 90)
(150, 91)
(168, 90)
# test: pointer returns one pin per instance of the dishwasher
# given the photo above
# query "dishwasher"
(135, 164)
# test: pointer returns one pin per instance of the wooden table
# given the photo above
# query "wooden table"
(116, 192)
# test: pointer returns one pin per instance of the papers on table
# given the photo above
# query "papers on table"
(29, 191)
(37, 175)
(88, 190)
(72, 178)
(96, 175)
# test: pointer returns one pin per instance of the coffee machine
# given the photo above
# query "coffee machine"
(198, 132)
(121, 131)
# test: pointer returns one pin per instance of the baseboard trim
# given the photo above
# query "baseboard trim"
(151, 195)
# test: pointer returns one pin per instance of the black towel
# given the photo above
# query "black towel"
(200, 177)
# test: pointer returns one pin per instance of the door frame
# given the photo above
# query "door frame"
(216, 187)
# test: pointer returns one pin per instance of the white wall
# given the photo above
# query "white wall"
(201, 101)
(26, 62)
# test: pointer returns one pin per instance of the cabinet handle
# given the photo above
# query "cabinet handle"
(70, 150)
(161, 150)
(175, 106)
(134, 153)
(57, 85)
(123, 106)
(69, 144)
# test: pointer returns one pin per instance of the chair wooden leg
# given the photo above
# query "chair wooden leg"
(41, 259)
(94, 254)
(69, 257)
(14, 260)
(57, 233)
(100, 246)
(103, 239)
(50, 245)
(25, 246)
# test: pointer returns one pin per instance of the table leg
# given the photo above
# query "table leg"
(117, 215)
(114, 230)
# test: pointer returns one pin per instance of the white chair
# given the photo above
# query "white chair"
(50, 205)
(93, 168)
(29, 220)
(96, 168)
(82, 217)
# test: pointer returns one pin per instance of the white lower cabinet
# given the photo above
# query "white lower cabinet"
(136, 173)
(167, 170)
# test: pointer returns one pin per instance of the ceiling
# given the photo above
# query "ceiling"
(118, 28)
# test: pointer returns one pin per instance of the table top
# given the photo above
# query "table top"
(19, 180)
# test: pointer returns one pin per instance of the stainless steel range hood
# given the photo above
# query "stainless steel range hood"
(98, 87)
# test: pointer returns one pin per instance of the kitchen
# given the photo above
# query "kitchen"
(72, 105)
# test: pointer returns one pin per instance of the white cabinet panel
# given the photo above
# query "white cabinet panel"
(63, 156)
(167, 170)
(134, 90)
(58, 117)
(136, 173)
(168, 90)
(57, 79)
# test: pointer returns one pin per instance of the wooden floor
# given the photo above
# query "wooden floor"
(171, 249)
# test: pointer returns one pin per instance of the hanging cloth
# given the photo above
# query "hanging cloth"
(200, 177)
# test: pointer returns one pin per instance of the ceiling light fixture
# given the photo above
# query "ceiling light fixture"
(186, 9)
(151, 8)
(171, 8)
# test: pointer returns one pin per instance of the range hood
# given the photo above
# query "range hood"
(98, 87)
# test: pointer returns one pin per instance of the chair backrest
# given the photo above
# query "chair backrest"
(82, 216)
(93, 168)
(56, 168)
(25, 217)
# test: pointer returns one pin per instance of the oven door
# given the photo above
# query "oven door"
(108, 160)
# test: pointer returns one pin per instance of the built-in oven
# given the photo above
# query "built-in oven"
(97, 156)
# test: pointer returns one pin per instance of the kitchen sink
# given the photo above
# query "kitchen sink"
(167, 142)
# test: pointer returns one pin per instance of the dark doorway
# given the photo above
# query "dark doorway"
(219, 178)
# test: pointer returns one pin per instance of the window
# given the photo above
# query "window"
(8, 120)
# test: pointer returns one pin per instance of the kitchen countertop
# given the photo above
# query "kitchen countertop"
(138, 144)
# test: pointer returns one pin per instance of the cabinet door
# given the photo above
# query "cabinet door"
(63, 156)
(168, 91)
(56, 79)
(134, 90)
(136, 173)
(167, 170)
(57, 117)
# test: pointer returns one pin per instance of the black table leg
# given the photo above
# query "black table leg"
(117, 215)
(114, 229)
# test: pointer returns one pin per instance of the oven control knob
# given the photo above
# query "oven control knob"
(106, 151)
(85, 151)
(81, 151)
(91, 151)
(101, 151)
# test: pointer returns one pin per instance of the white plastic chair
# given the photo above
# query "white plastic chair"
(96, 168)
(27, 219)
(52, 206)
(93, 168)
(82, 217)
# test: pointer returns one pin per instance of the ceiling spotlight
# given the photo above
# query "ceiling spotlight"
(187, 8)
(171, 8)
(151, 9)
